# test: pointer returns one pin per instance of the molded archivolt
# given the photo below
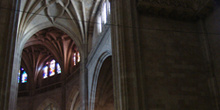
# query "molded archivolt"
(73, 100)
(98, 67)
(104, 98)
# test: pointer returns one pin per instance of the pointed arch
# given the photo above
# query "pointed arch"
(99, 64)
(48, 103)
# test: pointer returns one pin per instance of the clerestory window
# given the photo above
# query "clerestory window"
(103, 15)
(51, 68)
(22, 75)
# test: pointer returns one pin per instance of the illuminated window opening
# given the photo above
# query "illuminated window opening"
(78, 57)
(22, 75)
(109, 7)
(51, 68)
(58, 68)
(99, 20)
(74, 58)
(104, 14)
(45, 74)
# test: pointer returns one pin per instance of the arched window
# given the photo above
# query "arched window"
(22, 75)
(45, 69)
(104, 13)
(76, 58)
(58, 68)
(51, 68)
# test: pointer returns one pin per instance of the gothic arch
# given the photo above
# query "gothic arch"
(24, 38)
(98, 67)
(48, 102)
(73, 100)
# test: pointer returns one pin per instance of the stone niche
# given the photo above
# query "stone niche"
(177, 9)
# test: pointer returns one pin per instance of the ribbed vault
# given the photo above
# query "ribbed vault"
(45, 45)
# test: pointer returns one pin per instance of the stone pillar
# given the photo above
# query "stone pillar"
(8, 29)
(83, 79)
(125, 50)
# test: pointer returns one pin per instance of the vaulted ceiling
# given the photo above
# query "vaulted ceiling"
(72, 15)
(45, 45)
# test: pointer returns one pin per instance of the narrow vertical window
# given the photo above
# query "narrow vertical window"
(52, 68)
(99, 21)
(45, 74)
(104, 16)
(78, 57)
(74, 58)
(24, 77)
(58, 68)
(109, 7)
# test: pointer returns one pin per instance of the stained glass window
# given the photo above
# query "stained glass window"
(74, 58)
(24, 77)
(52, 68)
(58, 68)
(45, 73)
(78, 57)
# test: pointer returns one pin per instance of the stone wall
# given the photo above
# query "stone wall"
(173, 65)
(211, 29)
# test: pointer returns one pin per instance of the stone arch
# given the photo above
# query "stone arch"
(73, 98)
(22, 39)
(101, 60)
(48, 103)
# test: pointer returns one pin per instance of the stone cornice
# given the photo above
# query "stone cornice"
(177, 9)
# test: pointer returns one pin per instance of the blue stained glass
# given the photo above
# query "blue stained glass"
(58, 68)
(24, 77)
(45, 72)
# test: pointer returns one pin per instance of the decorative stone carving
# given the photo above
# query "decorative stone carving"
(179, 9)
(55, 8)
